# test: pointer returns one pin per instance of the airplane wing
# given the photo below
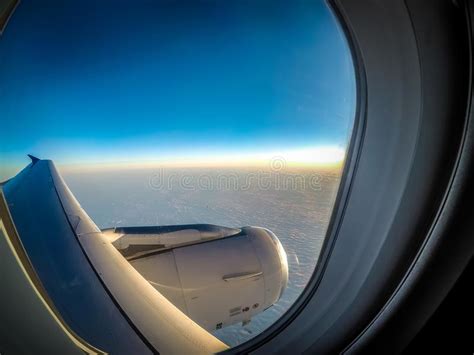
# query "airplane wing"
(133, 289)
(97, 293)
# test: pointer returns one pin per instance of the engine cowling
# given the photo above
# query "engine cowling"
(217, 276)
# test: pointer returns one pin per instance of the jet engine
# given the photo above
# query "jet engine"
(217, 276)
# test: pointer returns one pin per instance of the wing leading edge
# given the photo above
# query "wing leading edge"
(98, 293)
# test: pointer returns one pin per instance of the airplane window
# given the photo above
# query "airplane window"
(206, 140)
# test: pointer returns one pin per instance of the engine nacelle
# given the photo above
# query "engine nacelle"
(217, 276)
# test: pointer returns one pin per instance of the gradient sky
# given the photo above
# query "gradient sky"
(107, 81)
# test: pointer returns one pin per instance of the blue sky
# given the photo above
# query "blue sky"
(105, 81)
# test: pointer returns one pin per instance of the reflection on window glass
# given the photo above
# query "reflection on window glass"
(158, 113)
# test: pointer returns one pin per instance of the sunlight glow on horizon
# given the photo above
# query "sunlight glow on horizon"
(324, 156)
(311, 156)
